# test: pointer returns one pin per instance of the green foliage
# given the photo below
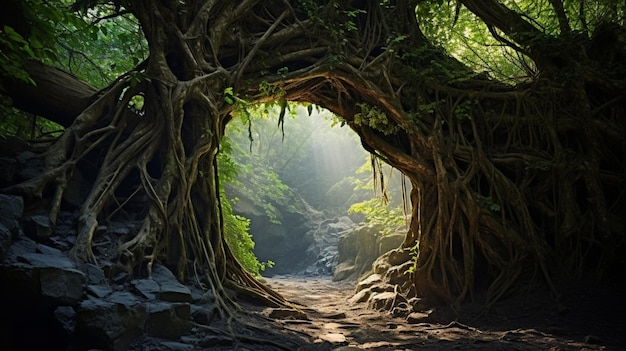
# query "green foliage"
(462, 34)
(96, 45)
(488, 202)
(31, 35)
(101, 44)
(26, 126)
(382, 209)
(236, 228)
(414, 252)
(257, 177)
(374, 117)
(337, 21)
(377, 212)
(467, 38)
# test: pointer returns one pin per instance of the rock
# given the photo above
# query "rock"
(416, 317)
(33, 165)
(175, 346)
(361, 296)
(109, 325)
(63, 285)
(36, 276)
(41, 260)
(368, 282)
(385, 300)
(168, 320)
(338, 315)
(5, 241)
(212, 341)
(9, 171)
(95, 274)
(341, 224)
(170, 289)
(48, 251)
(11, 211)
(397, 275)
(399, 256)
(333, 338)
(147, 288)
(202, 315)
(343, 271)
(66, 316)
(20, 247)
(99, 291)
(37, 227)
(389, 242)
(286, 313)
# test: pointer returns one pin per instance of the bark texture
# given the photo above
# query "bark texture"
(510, 183)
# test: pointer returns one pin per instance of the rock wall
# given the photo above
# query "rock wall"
(359, 247)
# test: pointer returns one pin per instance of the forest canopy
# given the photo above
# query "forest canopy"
(507, 117)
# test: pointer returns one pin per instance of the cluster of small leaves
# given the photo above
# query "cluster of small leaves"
(268, 89)
(414, 253)
(375, 118)
(338, 27)
(488, 203)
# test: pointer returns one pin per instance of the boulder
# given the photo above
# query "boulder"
(110, 324)
(42, 277)
(66, 316)
(168, 320)
(9, 171)
(37, 227)
(286, 313)
(5, 241)
(343, 271)
(169, 287)
(389, 242)
(385, 300)
(147, 288)
(202, 314)
(358, 247)
(368, 282)
(11, 211)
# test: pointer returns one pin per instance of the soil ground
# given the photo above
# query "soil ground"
(586, 317)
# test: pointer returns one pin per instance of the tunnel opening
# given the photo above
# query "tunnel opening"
(306, 188)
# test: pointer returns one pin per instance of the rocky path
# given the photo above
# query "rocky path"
(336, 324)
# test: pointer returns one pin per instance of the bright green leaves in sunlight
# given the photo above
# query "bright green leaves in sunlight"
(454, 28)
(383, 209)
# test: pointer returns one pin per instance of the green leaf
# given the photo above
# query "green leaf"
(13, 35)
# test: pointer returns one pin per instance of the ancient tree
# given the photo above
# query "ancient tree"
(510, 182)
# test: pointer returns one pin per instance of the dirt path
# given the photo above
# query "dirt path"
(335, 324)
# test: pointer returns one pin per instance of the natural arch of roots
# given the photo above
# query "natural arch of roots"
(505, 183)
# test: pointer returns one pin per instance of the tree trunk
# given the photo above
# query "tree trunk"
(57, 95)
